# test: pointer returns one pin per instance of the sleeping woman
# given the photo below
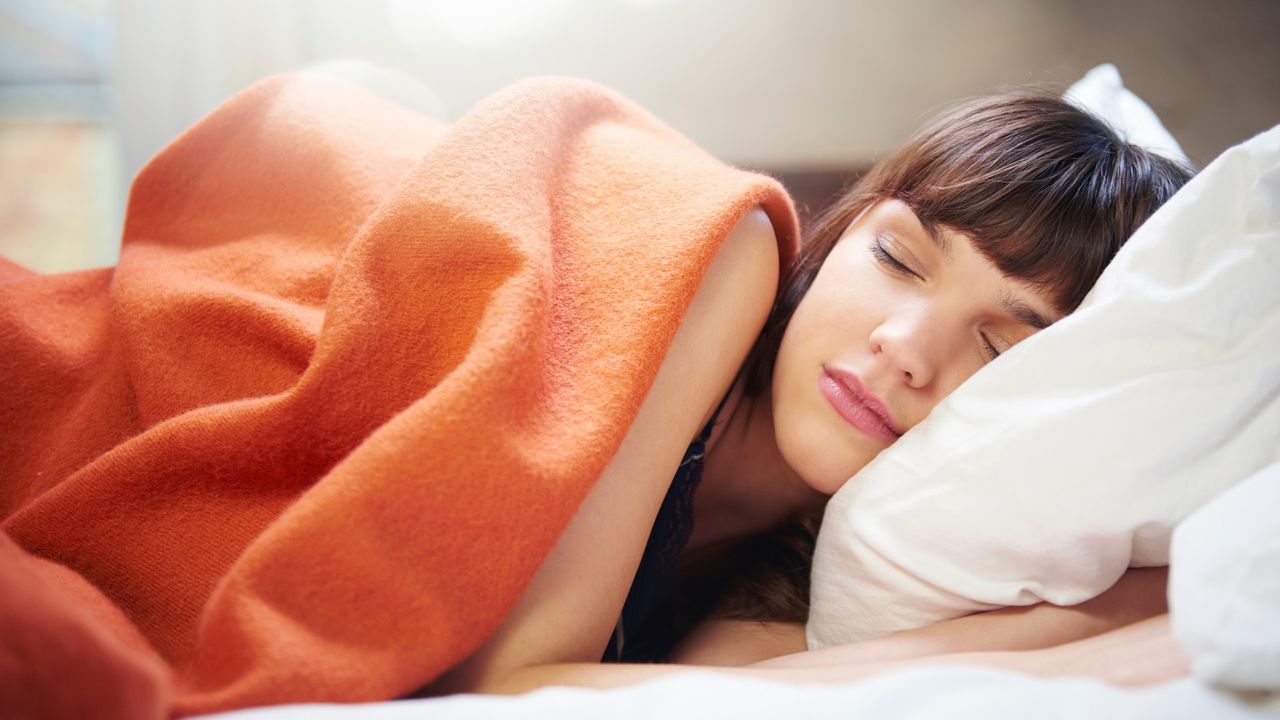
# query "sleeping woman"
(372, 404)
(988, 225)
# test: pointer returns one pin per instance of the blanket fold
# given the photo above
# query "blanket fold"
(351, 377)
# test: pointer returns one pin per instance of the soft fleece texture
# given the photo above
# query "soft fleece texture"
(351, 378)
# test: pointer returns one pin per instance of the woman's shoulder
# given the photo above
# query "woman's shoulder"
(728, 311)
(748, 260)
(711, 343)
(743, 277)
(606, 537)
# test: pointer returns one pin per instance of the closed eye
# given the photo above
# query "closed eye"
(992, 352)
(884, 257)
(889, 261)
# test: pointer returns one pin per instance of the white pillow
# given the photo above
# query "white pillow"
(1224, 586)
(1073, 455)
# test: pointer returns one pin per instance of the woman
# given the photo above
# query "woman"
(990, 224)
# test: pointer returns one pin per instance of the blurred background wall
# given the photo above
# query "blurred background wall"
(811, 90)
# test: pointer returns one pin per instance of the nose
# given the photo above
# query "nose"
(906, 342)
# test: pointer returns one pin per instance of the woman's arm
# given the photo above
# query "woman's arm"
(1135, 655)
(569, 608)
(734, 643)
(1140, 593)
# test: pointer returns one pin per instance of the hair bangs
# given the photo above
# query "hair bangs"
(1046, 192)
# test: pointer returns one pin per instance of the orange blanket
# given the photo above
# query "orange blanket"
(352, 376)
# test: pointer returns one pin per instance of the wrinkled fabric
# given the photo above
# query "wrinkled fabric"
(352, 376)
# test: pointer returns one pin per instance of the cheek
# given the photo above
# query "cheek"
(813, 439)
(817, 444)
(838, 313)
(832, 324)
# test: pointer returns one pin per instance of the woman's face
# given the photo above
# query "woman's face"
(906, 335)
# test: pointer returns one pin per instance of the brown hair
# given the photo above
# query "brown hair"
(1046, 191)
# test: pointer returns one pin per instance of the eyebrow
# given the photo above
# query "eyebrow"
(1023, 312)
(934, 232)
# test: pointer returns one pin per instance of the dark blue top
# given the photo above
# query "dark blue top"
(656, 576)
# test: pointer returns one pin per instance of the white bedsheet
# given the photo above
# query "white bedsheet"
(944, 693)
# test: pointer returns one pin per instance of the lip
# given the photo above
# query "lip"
(856, 404)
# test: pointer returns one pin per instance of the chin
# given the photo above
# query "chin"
(824, 459)
(831, 482)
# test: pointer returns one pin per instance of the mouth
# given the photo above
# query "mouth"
(856, 404)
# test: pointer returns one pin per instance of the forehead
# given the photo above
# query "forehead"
(958, 254)
(897, 213)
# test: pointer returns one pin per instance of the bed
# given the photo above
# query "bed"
(269, 630)
(1222, 545)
